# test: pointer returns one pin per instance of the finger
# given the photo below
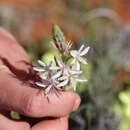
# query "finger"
(6, 34)
(9, 45)
(56, 124)
(11, 53)
(14, 95)
(7, 124)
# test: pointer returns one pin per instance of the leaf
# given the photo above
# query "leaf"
(58, 36)
(15, 115)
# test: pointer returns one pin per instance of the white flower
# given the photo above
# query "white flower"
(61, 67)
(49, 86)
(70, 77)
(43, 69)
(77, 55)
(54, 78)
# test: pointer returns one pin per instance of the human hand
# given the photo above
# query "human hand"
(28, 101)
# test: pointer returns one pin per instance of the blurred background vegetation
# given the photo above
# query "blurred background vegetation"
(101, 24)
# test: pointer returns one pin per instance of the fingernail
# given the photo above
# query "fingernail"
(76, 104)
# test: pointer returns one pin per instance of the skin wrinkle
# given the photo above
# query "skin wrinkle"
(2, 100)
(29, 104)
(32, 103)
(7, 92)
(3, 94)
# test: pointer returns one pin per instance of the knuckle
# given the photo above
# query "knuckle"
(30, 105)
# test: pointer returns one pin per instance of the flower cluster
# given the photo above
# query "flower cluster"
(66, 70)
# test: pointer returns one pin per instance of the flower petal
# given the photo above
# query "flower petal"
(47, 90)
(38, 69)
(65, 71)
(64, 83)
(81, 80)
(49, 64)
(75, 72)
(60, 63)
(40, 84)
(43, 76)
(73, 61)
(62, 78)
(85, 51)
(41, 63)
(82, 60)
(74, 53)
(54, 68)
(81, 48)
(58, 74)
(77, 65)
(56, 92)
